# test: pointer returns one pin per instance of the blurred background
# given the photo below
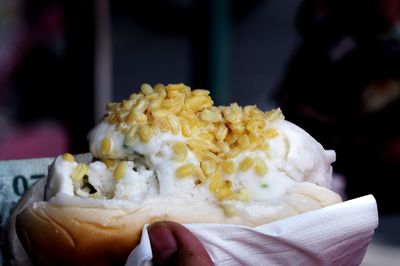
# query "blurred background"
(333, 66)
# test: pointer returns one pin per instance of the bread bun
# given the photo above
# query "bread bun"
(57, 234)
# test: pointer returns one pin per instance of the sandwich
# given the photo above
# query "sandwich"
(167, 153)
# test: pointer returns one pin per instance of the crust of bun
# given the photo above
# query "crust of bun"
(72, 235)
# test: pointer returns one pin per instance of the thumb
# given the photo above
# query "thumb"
(173, 244)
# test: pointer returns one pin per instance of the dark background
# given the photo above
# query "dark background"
(332, 66)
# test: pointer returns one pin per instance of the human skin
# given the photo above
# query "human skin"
(173, 244)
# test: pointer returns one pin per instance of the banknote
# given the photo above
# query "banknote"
(16, 176)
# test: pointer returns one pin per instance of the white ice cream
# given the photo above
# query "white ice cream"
(291, 156)
(294, 156)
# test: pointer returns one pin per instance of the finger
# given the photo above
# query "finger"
(173, 244)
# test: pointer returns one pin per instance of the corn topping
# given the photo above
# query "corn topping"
(208, 167)
(106, 145)
(68, 157)
(214, 134)
(180, 151)
(229, 166)
(79, 172)
(246, 164)
(260, 167)
(109, 163)
(120, 170)
(185, 170)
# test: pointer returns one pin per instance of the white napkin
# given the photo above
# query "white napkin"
(335, 235)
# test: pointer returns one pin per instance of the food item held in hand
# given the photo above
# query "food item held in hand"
(167, 153)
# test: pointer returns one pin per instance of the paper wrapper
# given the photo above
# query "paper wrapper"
(335, 235)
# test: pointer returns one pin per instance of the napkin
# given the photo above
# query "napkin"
(335, 235)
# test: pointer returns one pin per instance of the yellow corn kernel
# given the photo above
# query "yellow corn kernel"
(160, 90)
(112, 118)
(68, 157)
(214, 148)
(233, 153)
(169, 103)
(215, 181)
(225, 190)
(127, 104)
(206, 136)
(246, 164)
(198, 173)
(162, 124)
(145, 133)
(133, 97)
(174, 104)
(179, 157)
(237, 128)
(256, 113)
(247, 109)
(260, 167)
(255, 141)
(274, 115)
(196, 126)
(79, 172)
(200, 92)
(208, 167)
(106, 146)
(189, 115)
(146, 89)
(206, 155)
(223, 147)
(131, 137)
(209, 127)
(112, 106)
(131, 117)
(185, 128)
(142, 118)
(263, 146)
(120, 170)
(176, 87)
(229, 166)
(174, 94)
(231, 138)
(109, 163)
(185, 170)
(180, 151)
(244, 142)
(221, 132)
(252, 126)
(159, 113)
(197, 103)
(174, 124)
(198, 144)
(152, 96)
(233, 113)
(261, 123)
(140, 105)
(155, 104)
(271, 133)
(210, 116)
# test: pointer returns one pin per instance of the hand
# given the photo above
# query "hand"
(173, 244)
